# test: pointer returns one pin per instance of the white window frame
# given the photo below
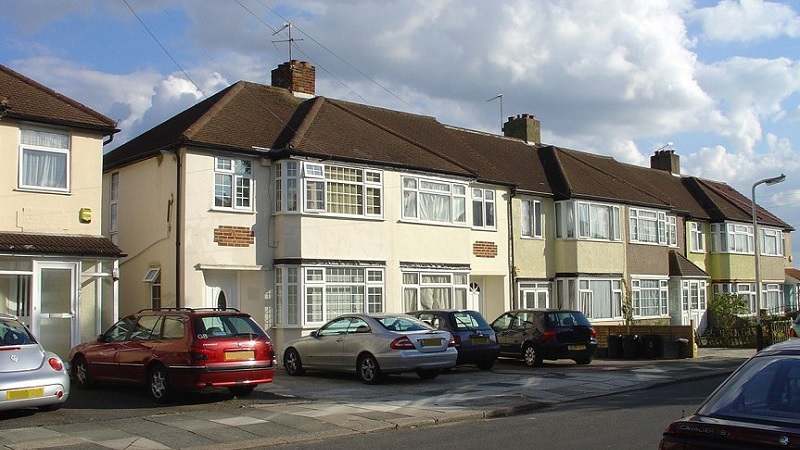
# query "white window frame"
(239, 176)
(531, 219)
(577, 219)
(694, 295)
(419, 284)
(732, 237)
(663, 226)
(50, 143)
(746, 291)
(114, 208)
(484, 208)
(153, 278)
(586, 300)
(321, 187)
(638, 289)
(534, 295)
(415, 188)
(697, 237)
(774, 235)
(321, 286)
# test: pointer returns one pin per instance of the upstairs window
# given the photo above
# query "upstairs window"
(114, 195)
(328, 189)
(233, 184)
(434, 201)
(587, 220)
(652, 227)
(483, 208)
(697, 237)
(771, 242)
(531, 218)
(732, 238)
(44, 160)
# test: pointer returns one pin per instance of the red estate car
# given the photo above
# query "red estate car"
(178, 349)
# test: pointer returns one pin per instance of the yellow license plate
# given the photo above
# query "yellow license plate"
(576, 347)
(240, 355)
(479, 339)
(430, 342)
(19, 394)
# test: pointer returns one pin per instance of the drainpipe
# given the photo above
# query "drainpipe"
(512, 274)
(178, 227)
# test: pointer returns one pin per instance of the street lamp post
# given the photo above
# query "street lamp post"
(756, 239)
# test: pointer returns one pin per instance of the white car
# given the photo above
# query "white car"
(373, 345)
(30, 376)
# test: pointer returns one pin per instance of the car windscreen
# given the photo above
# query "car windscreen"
(467, 321)
(566, 319)
(13, 332)
(400, 323)
(221, 326)
(765, 389)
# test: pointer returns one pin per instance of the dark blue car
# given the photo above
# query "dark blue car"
(476, 342)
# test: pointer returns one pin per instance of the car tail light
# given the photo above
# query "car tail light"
(402, 343)
(199, 354)
(454, 341)
(593, 333)
(548, 335)
(792, 333)
(56, 364)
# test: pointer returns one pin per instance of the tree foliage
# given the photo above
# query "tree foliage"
(725, 309)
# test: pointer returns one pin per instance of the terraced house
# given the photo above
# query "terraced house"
(296, 208)
(57, 270)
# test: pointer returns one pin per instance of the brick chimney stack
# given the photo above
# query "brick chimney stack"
(526, 127)
(299, 77)
(666, 160)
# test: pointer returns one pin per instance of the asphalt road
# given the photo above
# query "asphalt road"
(632, 420)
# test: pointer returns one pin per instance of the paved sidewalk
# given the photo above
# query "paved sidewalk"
(311, 408)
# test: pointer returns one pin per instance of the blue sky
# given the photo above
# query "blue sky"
(718, 79)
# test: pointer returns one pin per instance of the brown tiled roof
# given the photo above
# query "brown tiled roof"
(53, 244)
(28, 100)
(730, 204)
(679, 266)
(793, 273)
(248, 117)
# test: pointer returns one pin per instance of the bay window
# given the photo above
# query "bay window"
(440, 201)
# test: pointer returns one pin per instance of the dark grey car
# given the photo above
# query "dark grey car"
(476, 342)
(538, 334)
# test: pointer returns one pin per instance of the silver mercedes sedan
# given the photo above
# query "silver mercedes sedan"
(372, 346)
(30, 376)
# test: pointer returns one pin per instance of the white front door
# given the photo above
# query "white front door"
(54, 302)
(221, 289)
(474, 299)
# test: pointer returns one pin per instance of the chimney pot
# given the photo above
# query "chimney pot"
(525, 127)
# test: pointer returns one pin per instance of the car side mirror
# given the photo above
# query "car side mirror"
(101, 338)
(314, 334)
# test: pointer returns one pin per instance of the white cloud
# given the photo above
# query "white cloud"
(748, 20)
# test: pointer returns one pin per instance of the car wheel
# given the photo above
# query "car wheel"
(242, 391)
(428, 374)
(485, 365)
(158, 382)
(80, 372)
(532, 358)
(368, 370)
(583, 360)
(292, 362)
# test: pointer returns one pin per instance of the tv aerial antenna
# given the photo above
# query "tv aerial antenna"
(500, 96)
(287, 25)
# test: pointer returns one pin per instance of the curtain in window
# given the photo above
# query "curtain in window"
(436, 298)
(527, 217)
(410, 300)
(600, 222)
(602, 302)
(434, 207)
(44, 169)
(409, 204)
(314, 304)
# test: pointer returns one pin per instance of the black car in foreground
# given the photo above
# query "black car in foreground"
(539, 334)
(757, 406)
(475, 340)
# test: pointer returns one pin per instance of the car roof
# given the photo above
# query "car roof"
(788, 347)
(191, 311)
(543, 310)
(443, 311)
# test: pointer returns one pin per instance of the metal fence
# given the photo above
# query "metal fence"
(743, 335)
